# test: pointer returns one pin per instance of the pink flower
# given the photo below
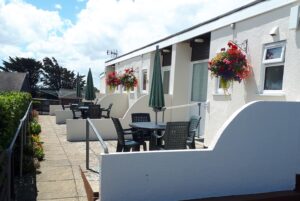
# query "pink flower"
(226, 61)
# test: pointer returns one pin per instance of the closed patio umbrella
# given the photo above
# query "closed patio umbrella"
(78, 89)
(89, 91)
(156, 98)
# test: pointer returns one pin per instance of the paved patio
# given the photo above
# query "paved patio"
(59, 177)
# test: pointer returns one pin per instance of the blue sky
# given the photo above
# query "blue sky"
(68, 9)
(79, 32)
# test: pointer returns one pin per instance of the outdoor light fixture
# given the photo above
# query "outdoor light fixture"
(274, 31)
(199, 40)
(232, 25)
(165, 50)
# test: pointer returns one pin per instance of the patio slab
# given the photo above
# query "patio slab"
(59, 174)
(56, 189)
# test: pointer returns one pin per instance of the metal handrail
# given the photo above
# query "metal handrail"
(89, 124)
(21, 131)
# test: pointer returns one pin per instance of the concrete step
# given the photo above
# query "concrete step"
(91, 183)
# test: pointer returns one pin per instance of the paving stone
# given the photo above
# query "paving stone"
(80, 187)
(57, 156)
(64, 199)
(56, 189)
(55, 174)
(55, 163)
(82, 199)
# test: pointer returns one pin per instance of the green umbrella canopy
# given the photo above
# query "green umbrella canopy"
(78, 89)
(156, 99)
(89, 92)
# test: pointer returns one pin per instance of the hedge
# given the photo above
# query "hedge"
(13, 106)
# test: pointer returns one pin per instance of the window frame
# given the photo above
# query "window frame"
(271, 46)
(144, 91)
(163, 70)
(220, 91)
(272, 63)
(191, 79)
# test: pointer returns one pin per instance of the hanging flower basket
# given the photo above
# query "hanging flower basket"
(230, 65)
(128, 79)
(113, 81)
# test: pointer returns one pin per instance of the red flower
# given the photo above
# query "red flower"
(231, 64)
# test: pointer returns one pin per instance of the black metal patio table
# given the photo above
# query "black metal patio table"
(152, 126)
(83, 110)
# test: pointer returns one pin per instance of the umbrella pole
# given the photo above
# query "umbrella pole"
(155, 116)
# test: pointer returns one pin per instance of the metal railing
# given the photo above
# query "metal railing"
(11, 155)
(89, 124)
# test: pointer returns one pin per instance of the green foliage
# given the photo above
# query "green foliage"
(56, 77)
(35, 127)
(36, 104)
(38, 150)
(33, 67)
(13, 106)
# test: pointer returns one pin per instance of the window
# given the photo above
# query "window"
(273, 78)
(144, 80)
(166, 81)
(274, 53)
(273, 66)
(218, 88)
(199, 82)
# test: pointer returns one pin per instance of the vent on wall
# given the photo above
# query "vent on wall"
(294, 17)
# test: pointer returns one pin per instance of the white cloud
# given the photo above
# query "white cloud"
(102, 25)
(58, 6)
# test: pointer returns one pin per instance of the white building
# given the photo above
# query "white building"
(260, 26)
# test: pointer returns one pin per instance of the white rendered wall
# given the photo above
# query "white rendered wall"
(256, 30)
(120, 104)
(180, 79)
(102, 86)
(257, 150)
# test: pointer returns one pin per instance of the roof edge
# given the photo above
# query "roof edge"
(191, 28)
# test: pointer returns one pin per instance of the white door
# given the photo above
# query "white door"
(199, 92)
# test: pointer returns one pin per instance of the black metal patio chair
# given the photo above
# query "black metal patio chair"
(194, 123)
(175, 135)
(142, 117)
(75, 111)
(107, 115)
(94, 112)
(123, 144)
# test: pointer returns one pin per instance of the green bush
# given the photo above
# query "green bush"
(13, 106)
(35, 127)
(38, 150)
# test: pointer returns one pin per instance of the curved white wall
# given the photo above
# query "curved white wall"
(120, 104)
(257, 150)
(256, 30)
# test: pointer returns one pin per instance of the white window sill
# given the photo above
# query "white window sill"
(279, 93)
(221, 94)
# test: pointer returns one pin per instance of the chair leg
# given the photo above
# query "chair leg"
(136, 148)
(119, 148)
(144, 146)
(126, 149)
(193, 145)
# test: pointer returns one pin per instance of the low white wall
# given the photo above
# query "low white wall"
(76, 129)
(53, 108)
(63, 115)
(141, 106)
(257, 150)
(120, 104)
(106, 127)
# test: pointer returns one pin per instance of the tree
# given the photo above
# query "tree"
(29, 65)
(52, 73)
(56, 77)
